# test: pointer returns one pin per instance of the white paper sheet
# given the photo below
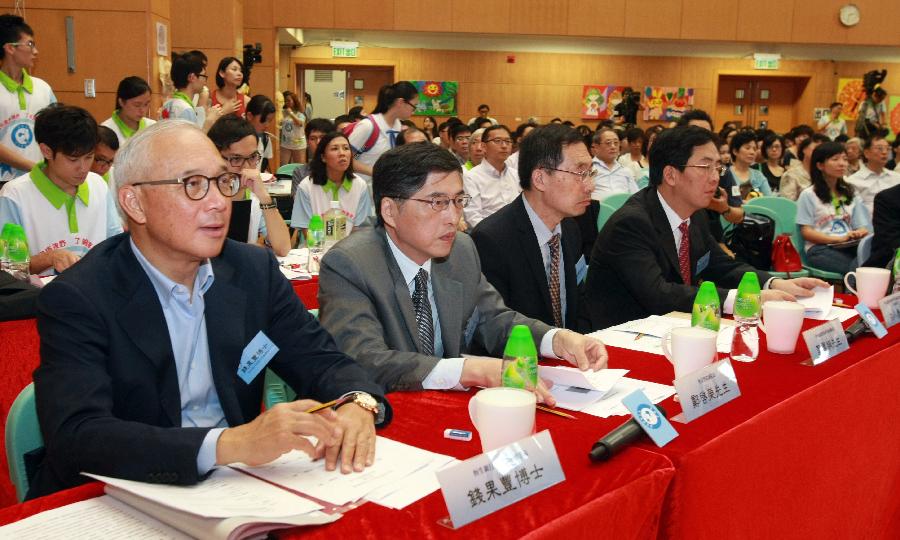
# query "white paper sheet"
(101, 517)
(818, 306)
(416, 486)
(226, 493)
(293, 265)
(611, 404)
(601, 380)
(625, 335)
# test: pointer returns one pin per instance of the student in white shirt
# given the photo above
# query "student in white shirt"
(831, 124)
(331, 178)
(396, 102)
(492, 184)
(132, 104)
(634, 158)
(105, 153)
(64, 208)
(237, 142)
(260, 112)
(21, 97)
(189, 77)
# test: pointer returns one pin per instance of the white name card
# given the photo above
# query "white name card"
(890, 309)
(825, 342)
(706, 389)
(488, 482)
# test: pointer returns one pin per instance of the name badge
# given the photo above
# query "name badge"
(581, 269)
(702, 263)
(735, 191)
(649, 418)
(706, 389)
(825, 342)
(255, 357)
(890, 309)
(481, 485)
(871, 320)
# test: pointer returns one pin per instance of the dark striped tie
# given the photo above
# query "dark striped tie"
(423, 312)
(556, 304)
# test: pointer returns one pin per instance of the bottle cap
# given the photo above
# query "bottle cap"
(749, 283)
(707, 294)
(316, 223)
(520, 343)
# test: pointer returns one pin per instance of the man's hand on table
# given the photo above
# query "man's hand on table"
(579, 350)
(791, 289)
(357, 447)
(487, 372)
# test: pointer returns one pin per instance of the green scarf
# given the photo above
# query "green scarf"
(127, 132)
(11, 85)
(331, 187)
(57, 196)
(184, 97)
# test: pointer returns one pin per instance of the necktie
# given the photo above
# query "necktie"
(423, 312)
(553, 243)
(684, 257)
(392, 133)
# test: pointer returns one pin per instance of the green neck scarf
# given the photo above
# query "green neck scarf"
(127, 132)
(57, 196)
(11, 85)
(331, 187)
(183, 97)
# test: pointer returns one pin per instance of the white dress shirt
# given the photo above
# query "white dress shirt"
(611, 180)
(869, 183)
(543, 235)
(490, 190)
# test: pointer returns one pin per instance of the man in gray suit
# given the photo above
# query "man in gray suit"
(407, 298)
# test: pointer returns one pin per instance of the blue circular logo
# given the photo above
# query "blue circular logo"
(22, 135)
(648, 416)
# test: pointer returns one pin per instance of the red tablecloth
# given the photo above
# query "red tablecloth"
(308, 291)
(622, 498)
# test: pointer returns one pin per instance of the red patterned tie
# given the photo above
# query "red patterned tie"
(684, 253)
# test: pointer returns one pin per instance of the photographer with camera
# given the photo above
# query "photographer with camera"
(626, 111)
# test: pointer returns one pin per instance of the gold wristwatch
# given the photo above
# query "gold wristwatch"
(364, 400)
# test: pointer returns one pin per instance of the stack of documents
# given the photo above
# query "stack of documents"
(820, 306)
(598, 393)
(646, 334)
(293, 265)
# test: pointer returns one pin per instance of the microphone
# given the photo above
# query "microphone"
(856, 329)
(614, 441)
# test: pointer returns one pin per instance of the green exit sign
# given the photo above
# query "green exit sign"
(344, 49)
(766, 61)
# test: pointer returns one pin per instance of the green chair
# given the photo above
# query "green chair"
(22, 436)
(779, 229)
(786, 210)
(275, 389)
(606, 212)
(616, 200)
(286, 170)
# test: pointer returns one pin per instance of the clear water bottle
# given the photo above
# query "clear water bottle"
(17, 259)
(315, 241)
(335, 224)
(745, 344)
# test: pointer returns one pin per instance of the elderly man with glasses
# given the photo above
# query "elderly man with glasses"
(492, 184)
(652, 254)
(154, 345)
(407, 298)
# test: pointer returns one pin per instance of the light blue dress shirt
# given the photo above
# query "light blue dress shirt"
(186, 322)
(543, 236)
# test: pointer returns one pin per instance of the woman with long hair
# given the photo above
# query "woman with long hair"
(132, 104)
(829, 213)
(430, 127)
(230, 77)
(331, 178)
(743, 156)
(772, 153)
(293, 136)
(396, 102)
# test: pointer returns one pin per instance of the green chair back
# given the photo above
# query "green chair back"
(606, 211)
(616, 200)
(275, 389)
(286, 170)
(23, 434)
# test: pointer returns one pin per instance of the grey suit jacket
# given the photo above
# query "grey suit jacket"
(366, 306)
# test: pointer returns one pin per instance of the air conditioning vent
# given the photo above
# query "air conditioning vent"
(323, 75)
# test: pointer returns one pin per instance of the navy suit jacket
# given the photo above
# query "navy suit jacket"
(107, 388)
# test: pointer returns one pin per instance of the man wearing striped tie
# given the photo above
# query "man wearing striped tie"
(407, 298)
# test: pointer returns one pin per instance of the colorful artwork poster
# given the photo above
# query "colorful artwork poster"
(436, 98)
(893, 115)
(851, 94)
(667, 103)
(598, 102)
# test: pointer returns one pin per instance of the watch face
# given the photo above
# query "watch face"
(367, 402)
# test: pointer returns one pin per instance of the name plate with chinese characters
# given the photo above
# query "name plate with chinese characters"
(890, 309)
(488, 482)
(825, 342)
(706, 389)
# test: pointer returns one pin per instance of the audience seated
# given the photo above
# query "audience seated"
(886, 222)
(229, 78)
(189, 77)
(610, 176)
(492, 184)
(772, 154)
(633, 156)
(64, 208)
(459, 142)
(105, 152)
(314, 130)
(407, 298)
(873, 177)
(797, 178)
(132, 105)
(260, 112)
(476, 150)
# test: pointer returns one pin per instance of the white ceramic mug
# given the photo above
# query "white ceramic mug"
(692, 348)
(871, 284)
(502, 415)
(782, 322)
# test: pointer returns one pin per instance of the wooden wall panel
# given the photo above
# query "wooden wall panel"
(207, 26)
(878, 23)
(762, 21)
(79, 5)
(421, 16)
(816, 21)
(364, 14)
(298, 14)
(480, 16)
(651, 18)
(260, 14)
(163, 8)
(592, 18)
(548, 17)
(705, 21)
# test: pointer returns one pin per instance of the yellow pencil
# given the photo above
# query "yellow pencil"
(318, 408)
(554, 411)
(639, 336)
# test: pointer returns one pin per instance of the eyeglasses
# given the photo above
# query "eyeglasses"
(103, 161)
(583, 176)
(413, 105)
(196, 186)
(439, 204)
(720, 169)
(204, 75)
(239, 161)
(30, 44)
(462, 138)
(500, 142)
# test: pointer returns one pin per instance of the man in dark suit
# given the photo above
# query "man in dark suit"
(641, 264)
(530, 248)
(153, 346)
(407, 298)
(886, 224)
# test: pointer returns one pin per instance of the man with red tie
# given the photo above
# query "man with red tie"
(652, 254)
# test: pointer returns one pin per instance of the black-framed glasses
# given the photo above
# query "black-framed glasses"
(239, 161)
(500, 142)
(30, 44)
(103, 161)
(439, 204)
(720, 169)
(204, 75)
(583, 176)
(196, 186)
(413, 105)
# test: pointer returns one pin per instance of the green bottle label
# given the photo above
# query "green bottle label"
(520, 372)
(706, 316)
